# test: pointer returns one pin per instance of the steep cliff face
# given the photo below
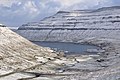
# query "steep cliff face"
(19, 53)
(75, 25)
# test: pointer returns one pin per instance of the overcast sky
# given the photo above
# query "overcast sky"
(18, 12)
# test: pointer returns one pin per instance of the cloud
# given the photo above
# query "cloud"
(84, 4)
(68, 3)
(17, 12)
(8, 3)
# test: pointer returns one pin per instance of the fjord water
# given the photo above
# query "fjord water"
(68, 48)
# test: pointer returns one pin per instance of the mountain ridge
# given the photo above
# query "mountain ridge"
(82, 11)
(107, 8)
(89, 24)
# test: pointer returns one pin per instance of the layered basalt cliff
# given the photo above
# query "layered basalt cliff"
(75, 25)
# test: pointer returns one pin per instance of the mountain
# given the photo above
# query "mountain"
(108, 8)
(75, 25)
(97, 27)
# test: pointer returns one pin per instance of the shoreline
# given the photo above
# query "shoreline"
(108, 59)
(101, 64)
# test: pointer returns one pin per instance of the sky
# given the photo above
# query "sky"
(14, 13)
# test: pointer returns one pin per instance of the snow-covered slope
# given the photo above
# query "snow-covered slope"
(75, 25)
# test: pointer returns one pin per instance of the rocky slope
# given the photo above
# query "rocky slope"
(17, 54)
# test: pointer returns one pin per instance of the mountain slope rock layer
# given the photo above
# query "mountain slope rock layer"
(75, 25)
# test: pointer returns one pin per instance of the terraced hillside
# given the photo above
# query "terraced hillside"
(75, 25)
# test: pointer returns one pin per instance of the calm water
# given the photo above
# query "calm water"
(68, 48)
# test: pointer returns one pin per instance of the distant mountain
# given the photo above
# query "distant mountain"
(2, 25)
(108, 8)
(75, 25)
